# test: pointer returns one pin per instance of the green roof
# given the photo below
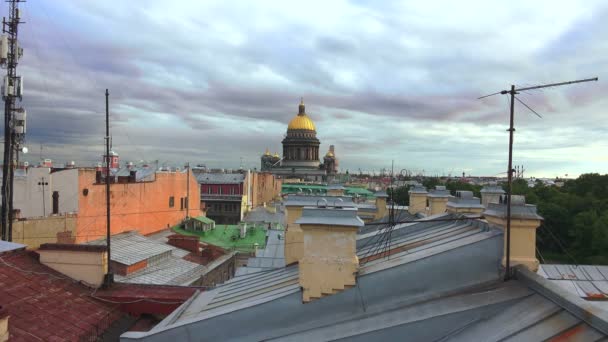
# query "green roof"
(222, 235)
(204, 219)
(289, 188)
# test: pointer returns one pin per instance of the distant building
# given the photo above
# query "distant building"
(301, 159)
(69, 205)
(223, 196)
(265, 187)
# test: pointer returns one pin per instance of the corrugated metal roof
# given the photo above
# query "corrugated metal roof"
(131, 247)
(303, 200)
(261, 214)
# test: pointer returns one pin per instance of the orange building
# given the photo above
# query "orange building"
(145, 206)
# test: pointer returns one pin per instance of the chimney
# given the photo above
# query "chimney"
(335, 190)
(438, 199)
(329, 263)
(491, 194)
(132, 176)
(380, 204)
(417, 199)
(464, 203)
(294, 205)
(86, 263)
(524, 222)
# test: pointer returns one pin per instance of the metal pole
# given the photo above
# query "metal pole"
(43, 199)
(109, 276)
(188, 191)
(510, 186)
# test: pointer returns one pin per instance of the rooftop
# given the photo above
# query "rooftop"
(272, 256)
(228, 236)
(44, 305)
(458, 294)
(220, 178)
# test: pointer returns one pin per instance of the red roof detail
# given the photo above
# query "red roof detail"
(43, 304)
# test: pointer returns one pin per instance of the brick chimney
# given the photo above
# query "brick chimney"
(464, 203)
(438, 199)
(417, 199)
(491, 194)
(380, 204)
(329, 263)
(524, 222)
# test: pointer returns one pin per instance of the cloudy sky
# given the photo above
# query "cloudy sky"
(212, 82)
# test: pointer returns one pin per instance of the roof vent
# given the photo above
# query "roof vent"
(322, 205)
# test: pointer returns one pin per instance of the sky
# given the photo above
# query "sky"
(216, 82)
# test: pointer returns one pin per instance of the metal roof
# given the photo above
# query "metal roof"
(6, 246)
(271, 257)
(303, 200)
(444, 285)
(586, 281)
(131, 247)
(220, 178)
(261, 214)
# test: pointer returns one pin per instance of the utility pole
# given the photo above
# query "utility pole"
(109, 277)
(188, 191)
(14, 126)
(43, 183)
(512, 92)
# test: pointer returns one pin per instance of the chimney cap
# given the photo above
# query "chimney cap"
(343, 217)
(519, 208)
(439, 191)
(381, 194)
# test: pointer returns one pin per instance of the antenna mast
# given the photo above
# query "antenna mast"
(14, 118)
(109, 276)
(512, 92)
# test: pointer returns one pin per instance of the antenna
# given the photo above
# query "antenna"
(109, 279)
(14, 118)
(512, 92)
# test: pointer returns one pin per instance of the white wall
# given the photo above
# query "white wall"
(66, 183)
(28, 195)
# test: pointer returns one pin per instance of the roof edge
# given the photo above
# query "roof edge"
(72, 247)
(580, 308)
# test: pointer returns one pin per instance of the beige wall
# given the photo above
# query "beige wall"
(523, 241)
(330, 262)
(87, 266)
(294, 238)
(265, 187)
(380, 208)
(36, 231)
(417, 203)
(437, 205)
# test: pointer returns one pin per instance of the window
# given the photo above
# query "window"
(232, 190)
(181, 203)
(220, 189)
(186, 202)
(171, 202)
(209, 190)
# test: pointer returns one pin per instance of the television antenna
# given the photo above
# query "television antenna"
(512, 92)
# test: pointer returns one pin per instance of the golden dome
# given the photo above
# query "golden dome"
(267, 153)
(276, 155)
(329, 154)
(301, 121)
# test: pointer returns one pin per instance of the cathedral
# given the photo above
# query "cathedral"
(301, 152)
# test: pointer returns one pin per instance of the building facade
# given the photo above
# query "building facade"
(224, 196)
(70, 204)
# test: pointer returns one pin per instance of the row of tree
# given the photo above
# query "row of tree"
(575, 226)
